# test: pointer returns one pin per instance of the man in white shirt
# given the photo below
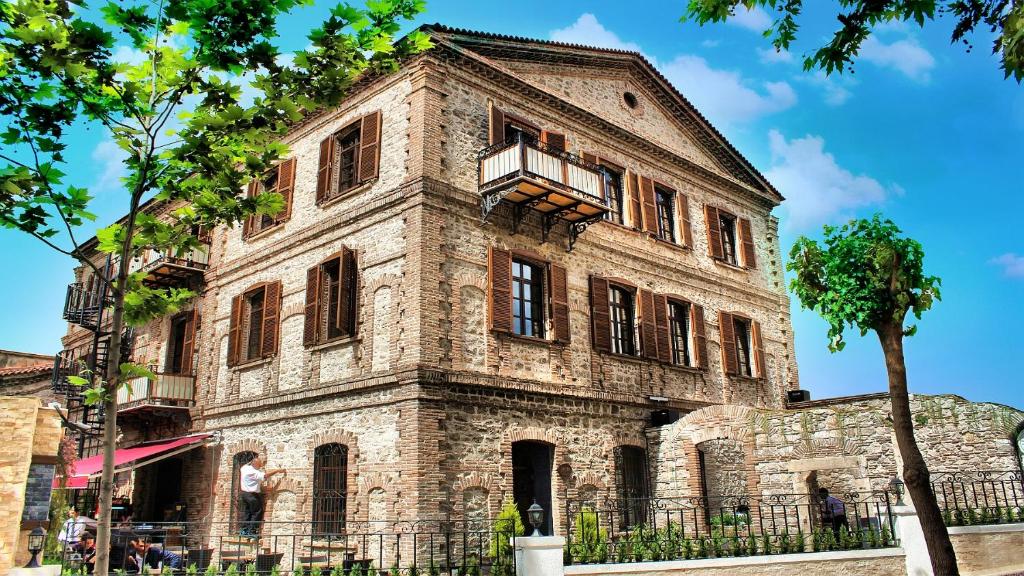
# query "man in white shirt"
(72, 529)
(250, 484)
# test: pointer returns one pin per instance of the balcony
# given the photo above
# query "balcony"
(84, 304)
(166, 271)
(530, 175)
(173, 392)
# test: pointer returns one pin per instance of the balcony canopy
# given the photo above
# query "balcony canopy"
(531, 175)
(130, 458)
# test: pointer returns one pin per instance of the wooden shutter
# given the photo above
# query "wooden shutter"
(285, 187)
(700, 338)
(325, 173)
(760, 368)
(747, 240)
(685, 230)
(496, 132)
(249, 220)
(271, 318)
(648, 324)
(499, 264)
(234, 331)
(600, 319)
(188, 343)
(728, 332)
(649, 205)
(348, 292)
(559, 287)
(369, 146)
(635, 208)
(554, 140)
(663, 329)
(311, 327)
(715, 249)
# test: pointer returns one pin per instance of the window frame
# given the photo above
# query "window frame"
(665, 207)
(727, 224)
(248, 312)
(744, 352)
(352, 131)
(615, 195)
(326, 307)
(688, 337)
(538, 301)
(620, 344)
(176, 346)
(338, 519)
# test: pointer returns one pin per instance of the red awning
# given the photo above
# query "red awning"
(129, 458)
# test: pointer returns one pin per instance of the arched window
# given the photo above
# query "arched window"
(237, 461)
(330, 487)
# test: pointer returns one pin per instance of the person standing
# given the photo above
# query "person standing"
(251, 484)
(71, 530)
(833, 511)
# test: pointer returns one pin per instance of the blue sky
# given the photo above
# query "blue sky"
(928, 134)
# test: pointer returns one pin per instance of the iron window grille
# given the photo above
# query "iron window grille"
(330, 487)
(527, 298)
(620, 308)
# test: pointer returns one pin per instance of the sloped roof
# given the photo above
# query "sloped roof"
(499, 46)
(25, 370)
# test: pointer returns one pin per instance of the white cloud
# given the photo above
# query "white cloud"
(754, 18)
(588, 31)
(817, 189)
(709, 43)
(724, 95)
(773, 56)
(1012, 264)
(834, 88)
(905, 56)
(109, 161)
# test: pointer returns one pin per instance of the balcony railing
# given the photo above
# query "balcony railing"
(84, 304)
(164, 270)
(532, 175)
(167, 391)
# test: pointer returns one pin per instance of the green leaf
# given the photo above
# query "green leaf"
(129, 370)
(77, 381)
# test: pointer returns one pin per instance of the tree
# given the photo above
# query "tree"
(58, 73)
(868, 276)
(1004, 18)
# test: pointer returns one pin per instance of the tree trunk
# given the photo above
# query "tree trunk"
(915, 471)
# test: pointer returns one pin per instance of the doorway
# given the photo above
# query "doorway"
(531, 480)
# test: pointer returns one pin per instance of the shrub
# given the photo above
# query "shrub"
(799, 543)
(751, 545)
(589, 541)
(508, 525)
(886, 537)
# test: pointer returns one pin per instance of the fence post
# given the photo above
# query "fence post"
(911, 537)
(539, 556)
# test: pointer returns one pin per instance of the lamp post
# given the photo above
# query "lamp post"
(536, 515)
(36, 538)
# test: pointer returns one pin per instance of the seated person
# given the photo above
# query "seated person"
(86, 549)
(141, 555)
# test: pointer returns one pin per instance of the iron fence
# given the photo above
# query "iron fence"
(979, 496)
(375, 548)
(604, 530)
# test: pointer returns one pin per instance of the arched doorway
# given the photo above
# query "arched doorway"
(531, 479)
(237, 461)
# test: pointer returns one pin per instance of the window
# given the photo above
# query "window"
(727, 225)
(180, 344)
(679, 325)
(330, 487)
(331, 296)
(631, 468)
(741, 328)
(527, 298)
(613, 191)
(349, 158)
(237, 461)
(254, 327)
(255, 317)
(620, 309)
(666, 225)
(279, 179)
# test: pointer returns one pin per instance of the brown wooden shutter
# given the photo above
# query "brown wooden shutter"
(650, 207)
(189, 342)
(664, 331)
(600, 318)
(748, 243)
(249, 220)
(715, 249)
(325, 172)
(648, 324)
(285, 187)
(700, 337)
(760, 367)
(635, 208)
(234, 331)
(348, 292)
(311, 327)
(554, 140)
(496, 132)
(369, 146)
(728, 334)
(686, 231)
(499, 264)
(271, 318)
(559, 287)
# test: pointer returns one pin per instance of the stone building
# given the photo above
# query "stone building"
(504, 272)
(26, 374)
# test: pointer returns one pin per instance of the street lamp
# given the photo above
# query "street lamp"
(536, 515)
(896, 487)
(36, 538)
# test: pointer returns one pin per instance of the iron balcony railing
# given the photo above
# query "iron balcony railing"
(84, 304)
(167, 390)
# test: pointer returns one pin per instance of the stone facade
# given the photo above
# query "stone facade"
(26, 374)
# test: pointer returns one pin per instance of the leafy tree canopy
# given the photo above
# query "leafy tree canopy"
(864, 274)
(1003, 18)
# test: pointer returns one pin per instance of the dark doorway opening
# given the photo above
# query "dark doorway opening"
(164, 492)
(531, 480)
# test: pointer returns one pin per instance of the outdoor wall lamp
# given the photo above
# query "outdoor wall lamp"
(536, 515)
(896, 487)
(35, 545)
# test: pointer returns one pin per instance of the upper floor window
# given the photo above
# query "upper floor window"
(279, 179)
(679, 326)
(727, 225)
(620, 311)
(742, 351)
(729, 237)
(331, 296)
(255, 317)
(180, 346)
(741, 327)
(665, 211)
(613, 192)
(349, 158)
(527, 298)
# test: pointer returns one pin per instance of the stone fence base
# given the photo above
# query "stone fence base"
(884, 562)
(989, 550)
